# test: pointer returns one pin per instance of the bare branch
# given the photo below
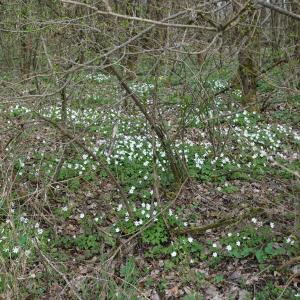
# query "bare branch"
(278, 9)
(159, 23)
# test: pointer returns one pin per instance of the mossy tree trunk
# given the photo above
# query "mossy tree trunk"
(248, 58)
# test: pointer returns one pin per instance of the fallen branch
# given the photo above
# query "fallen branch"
(223, 222)
(290, 262)
(276, 163)
(288, 283)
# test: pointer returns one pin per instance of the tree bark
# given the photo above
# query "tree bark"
(248, 59)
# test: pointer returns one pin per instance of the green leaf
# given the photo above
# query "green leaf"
(269, 249)
(129, 271)
(219, 278)
(23, 240)
(260, 255)
(245, 252)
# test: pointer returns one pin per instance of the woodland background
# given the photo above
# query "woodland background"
(149, 149)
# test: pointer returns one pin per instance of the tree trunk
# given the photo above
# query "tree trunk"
(296, 9)
(248, 59)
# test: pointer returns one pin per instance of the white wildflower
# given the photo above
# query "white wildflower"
(131, 191)
(173, 254)
(229, 248)
(15, 250)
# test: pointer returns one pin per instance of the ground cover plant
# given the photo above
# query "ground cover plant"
(146, 161)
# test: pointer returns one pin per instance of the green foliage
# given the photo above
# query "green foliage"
(156, 234)
(218, 278)
(91, 243)
(74, 184)
(268, 252)
(229, 189)
(193, 296)
(129, 272)
(87, 242)
(257, 242)
(271, 291)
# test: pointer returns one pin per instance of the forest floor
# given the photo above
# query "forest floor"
(228, 232)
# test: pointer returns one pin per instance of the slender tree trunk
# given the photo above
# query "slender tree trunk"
(26, 48)
(176, 164)
(296, 9)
